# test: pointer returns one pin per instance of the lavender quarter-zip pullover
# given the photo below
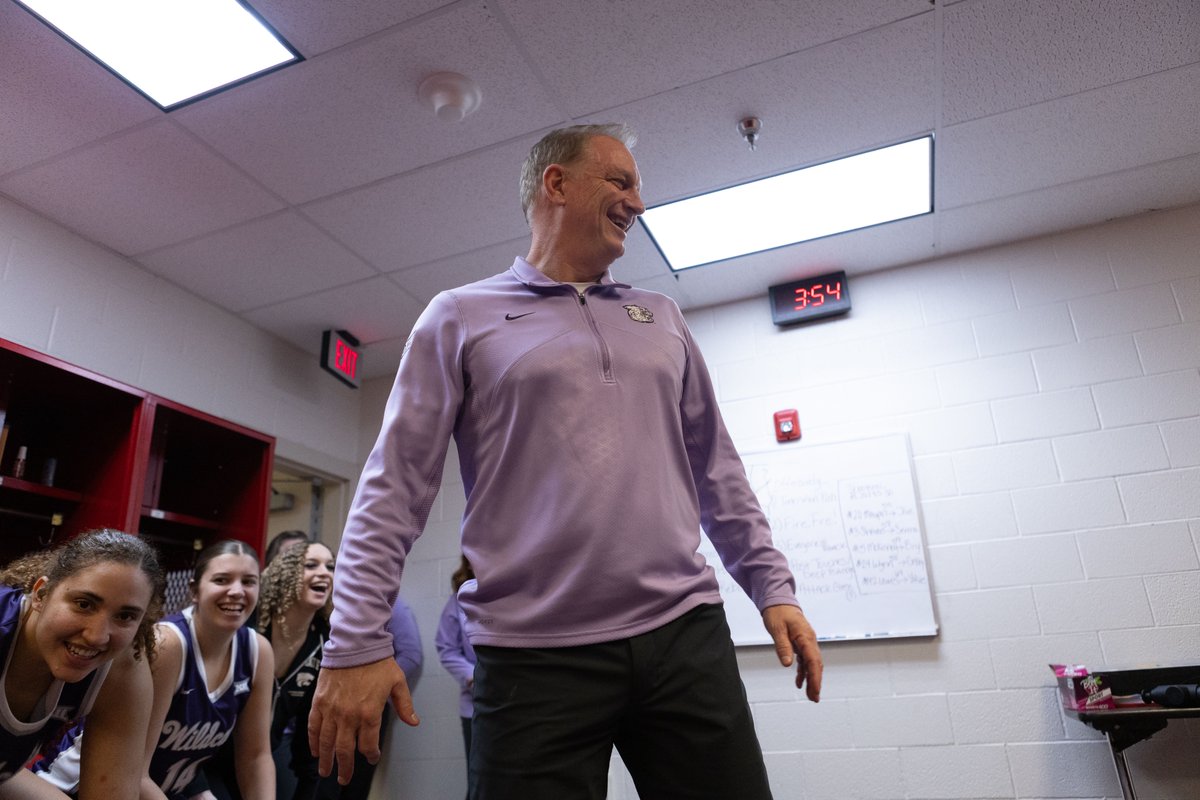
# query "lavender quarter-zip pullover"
(592, 453)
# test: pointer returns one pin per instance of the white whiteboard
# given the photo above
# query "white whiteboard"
(846, 517)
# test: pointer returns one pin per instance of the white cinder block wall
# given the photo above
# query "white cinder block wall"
(62, 295)
(1051, 393)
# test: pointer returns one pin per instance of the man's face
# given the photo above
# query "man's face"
(603, 197)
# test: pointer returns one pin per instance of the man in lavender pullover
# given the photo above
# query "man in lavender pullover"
(592, 454)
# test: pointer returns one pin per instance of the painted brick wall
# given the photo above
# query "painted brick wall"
(1051, 392)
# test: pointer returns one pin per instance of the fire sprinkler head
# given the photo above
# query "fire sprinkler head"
(750, 128)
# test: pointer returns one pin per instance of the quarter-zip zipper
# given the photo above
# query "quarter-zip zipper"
(606, 374)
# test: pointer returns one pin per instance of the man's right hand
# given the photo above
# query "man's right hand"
(346, 712)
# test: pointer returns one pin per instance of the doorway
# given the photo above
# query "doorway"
(304, 500)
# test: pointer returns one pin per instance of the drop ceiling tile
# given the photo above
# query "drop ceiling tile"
(1131, 124)
(449, 208)
(865, 91)
(58, 101)
(369, 123)
(601, 55)
(426, 280)
(268, 260)
(141, 190)
(641, 261)
(314, 26)
(371, 310)
(1005, 54)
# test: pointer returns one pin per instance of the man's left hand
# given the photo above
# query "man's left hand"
(796, 640)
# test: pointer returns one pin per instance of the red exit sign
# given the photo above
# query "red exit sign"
(339, 355)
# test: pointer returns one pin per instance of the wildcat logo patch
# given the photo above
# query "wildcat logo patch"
(639, 314)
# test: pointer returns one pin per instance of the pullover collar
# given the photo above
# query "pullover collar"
(534, 278)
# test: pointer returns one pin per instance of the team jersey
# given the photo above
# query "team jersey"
(198, 721)
(62, 702)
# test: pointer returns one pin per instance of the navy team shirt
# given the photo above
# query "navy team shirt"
(62, 703)
(199, 722)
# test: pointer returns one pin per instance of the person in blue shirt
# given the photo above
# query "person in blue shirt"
(455, 650)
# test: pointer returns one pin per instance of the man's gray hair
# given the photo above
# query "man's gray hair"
(564, 146)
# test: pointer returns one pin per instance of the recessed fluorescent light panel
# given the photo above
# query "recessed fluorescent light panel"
(172, 51)
(855, 192)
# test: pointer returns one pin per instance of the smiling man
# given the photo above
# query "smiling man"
(592, 453)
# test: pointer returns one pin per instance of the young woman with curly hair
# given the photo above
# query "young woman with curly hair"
(293, 613)
(76, 637)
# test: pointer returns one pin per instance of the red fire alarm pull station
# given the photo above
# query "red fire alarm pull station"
(787, 425)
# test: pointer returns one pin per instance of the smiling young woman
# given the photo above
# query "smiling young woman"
(213, 680)
(297, 598)
(76, 635)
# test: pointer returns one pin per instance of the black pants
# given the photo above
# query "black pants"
(670, 700)
(360, 783)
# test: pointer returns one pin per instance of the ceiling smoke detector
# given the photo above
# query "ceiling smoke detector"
(451, 95)
(750, 128)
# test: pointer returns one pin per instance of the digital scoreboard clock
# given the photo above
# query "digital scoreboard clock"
(339, 356)
(809, 299)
